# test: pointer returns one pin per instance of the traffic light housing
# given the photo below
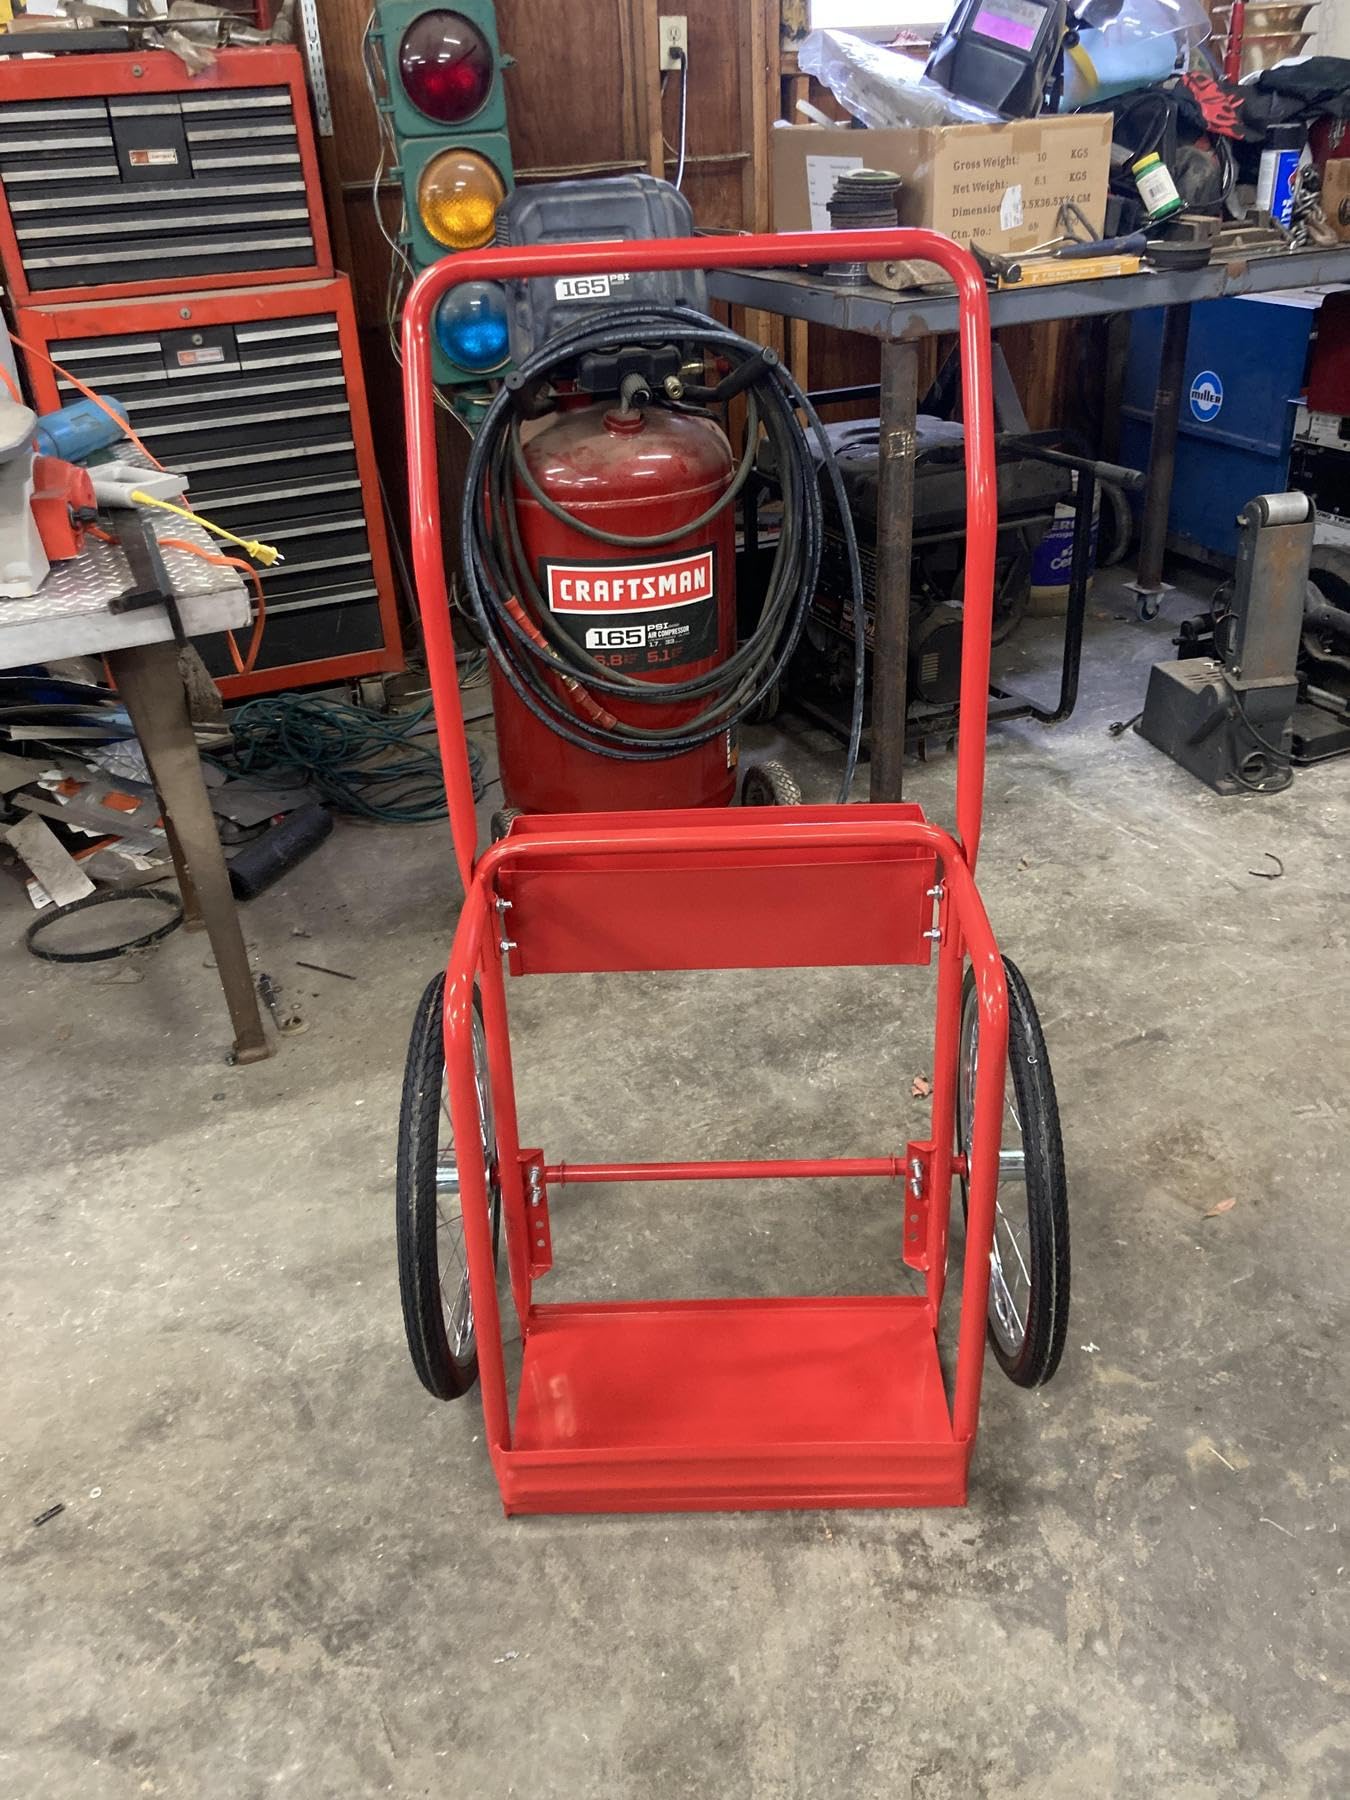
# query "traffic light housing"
(447, 111)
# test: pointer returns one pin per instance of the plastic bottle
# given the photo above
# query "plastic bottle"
(1156, 187)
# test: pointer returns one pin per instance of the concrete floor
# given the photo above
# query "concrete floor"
(282, 1569)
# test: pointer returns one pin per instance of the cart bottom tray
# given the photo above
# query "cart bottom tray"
(698, 1405)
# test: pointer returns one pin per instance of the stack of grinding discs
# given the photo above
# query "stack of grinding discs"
(863, 200)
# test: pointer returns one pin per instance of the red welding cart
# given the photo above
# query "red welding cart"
(743, 1403)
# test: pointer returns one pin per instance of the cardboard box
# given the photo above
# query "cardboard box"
(998, 185)
(1336, 196)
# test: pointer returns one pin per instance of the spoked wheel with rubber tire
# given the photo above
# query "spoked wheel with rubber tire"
(433, 1273)
(769, 784)
(1029, 1266)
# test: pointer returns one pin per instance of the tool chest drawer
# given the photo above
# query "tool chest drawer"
(255, 398)
(123, 175)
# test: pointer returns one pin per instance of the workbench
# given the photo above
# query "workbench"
(70, 616)
(902, 321)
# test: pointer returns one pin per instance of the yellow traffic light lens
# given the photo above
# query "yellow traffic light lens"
(458, 194)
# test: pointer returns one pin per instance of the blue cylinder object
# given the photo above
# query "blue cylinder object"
(76, 432)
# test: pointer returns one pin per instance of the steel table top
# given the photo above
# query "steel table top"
(69, 616)
(875, 312)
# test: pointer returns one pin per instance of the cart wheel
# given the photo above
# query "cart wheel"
(500, 822)
(767, 707)
(1117, 527)
(1148, 605)
(433, 1274)
(1012, 594)
(1029, 1267)
(769, 784)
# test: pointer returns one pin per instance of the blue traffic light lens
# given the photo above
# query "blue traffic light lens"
(471, 326)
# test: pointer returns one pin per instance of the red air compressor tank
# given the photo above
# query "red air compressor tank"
(662, 613)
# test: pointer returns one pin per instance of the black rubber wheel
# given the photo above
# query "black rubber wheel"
(1012, 588)
(432, 1270)
(1012, 593)
(767, 707)
(1029, 1269)
(1115, 534)
(769, 784)
(500, 822)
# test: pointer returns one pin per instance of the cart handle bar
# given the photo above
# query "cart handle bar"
(758, 251)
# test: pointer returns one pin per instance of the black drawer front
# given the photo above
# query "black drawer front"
(162, 188)
(256, 416)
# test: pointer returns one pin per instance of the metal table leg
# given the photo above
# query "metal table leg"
(148, 679)
(1148, 582)
(895, 530)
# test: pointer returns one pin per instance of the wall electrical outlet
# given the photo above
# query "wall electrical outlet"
(673, 35)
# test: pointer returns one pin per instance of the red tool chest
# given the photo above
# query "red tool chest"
(255, 395)
(125, 174)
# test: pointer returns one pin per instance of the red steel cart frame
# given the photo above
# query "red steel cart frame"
(679, 1405)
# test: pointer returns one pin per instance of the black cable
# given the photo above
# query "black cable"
(1283, 759)
(498, 571)
(369, 765)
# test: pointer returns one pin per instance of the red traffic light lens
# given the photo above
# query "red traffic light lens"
(446, 66)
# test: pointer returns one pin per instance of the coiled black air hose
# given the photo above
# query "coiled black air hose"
(504, 599)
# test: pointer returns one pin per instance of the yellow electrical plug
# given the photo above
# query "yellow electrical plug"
(266, 554)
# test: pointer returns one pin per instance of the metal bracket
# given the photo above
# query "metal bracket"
(154, 585)
(539, 1236)
(918, 1187)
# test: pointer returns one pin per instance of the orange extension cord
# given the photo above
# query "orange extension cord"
(243, 665)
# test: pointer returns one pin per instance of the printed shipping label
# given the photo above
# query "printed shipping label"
(638, 616)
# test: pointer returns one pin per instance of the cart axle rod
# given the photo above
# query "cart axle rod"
(563, 1174)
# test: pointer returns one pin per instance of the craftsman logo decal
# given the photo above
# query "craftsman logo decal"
(1206, 396)
(638, 615)
(195, 359)
(159, 157)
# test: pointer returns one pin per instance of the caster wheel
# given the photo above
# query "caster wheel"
(1029, 1266)
(769, 784)
(500, 822)
(1148, 605)
(433, 1274)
